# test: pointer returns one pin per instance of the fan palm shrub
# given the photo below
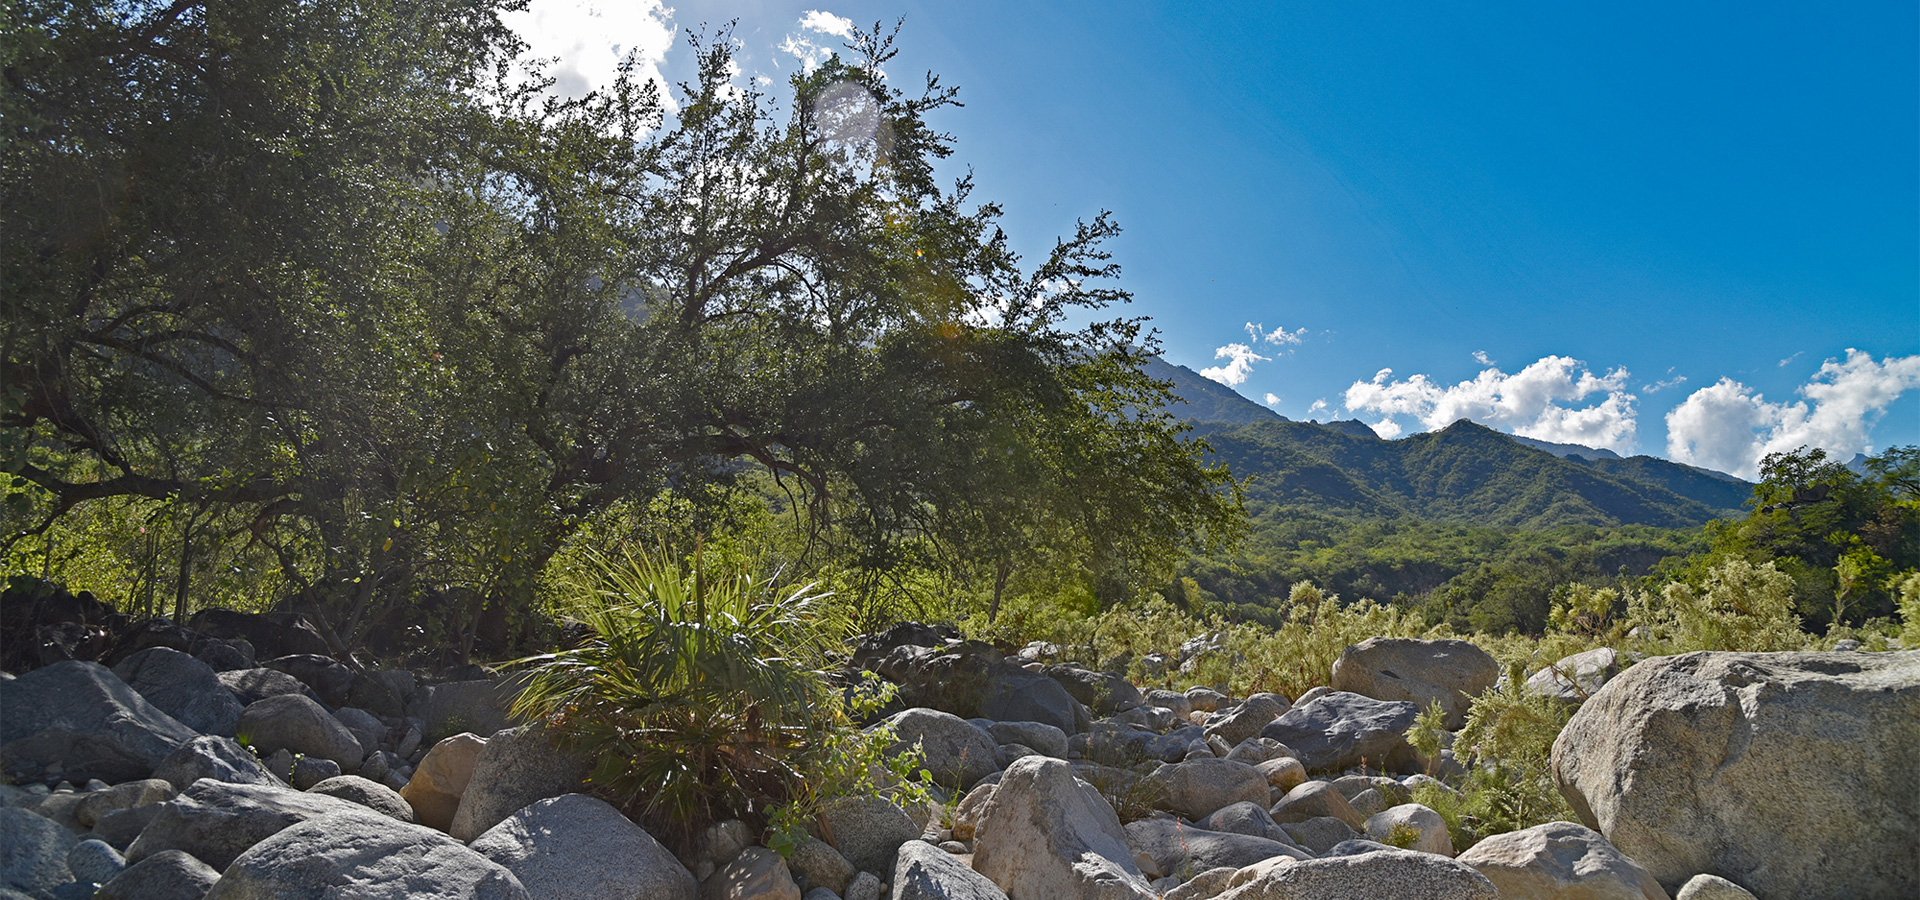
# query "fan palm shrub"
(697, 692)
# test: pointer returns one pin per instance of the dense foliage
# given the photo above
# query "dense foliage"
(328, 305)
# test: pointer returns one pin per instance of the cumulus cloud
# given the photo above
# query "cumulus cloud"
(1273, 399)
(1317, 406)
(1240, 359)
(1731, 427)
(1532, 402)
(1279, 337)
(585, 41)
(1480, 356)
(808, 47)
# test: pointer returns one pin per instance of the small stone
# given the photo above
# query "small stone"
(1712, 887)
(94, 861)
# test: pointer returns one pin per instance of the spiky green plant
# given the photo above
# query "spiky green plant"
(698, 691)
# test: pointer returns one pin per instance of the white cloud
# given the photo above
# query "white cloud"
(1240, 364)
(1273, 399)
(827, 23)
(1658, 386)
(1480, 356)
(1530, 402)
(809, 50)
(1387, 429)
(1731, 427)
(1279, 337)
(1784, 362)
(585, 41)
(1317, 406)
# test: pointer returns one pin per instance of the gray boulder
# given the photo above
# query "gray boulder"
(77, 720)
(125, 795)
(216, 821)
(168, 875)
(1424, 822)
(957, 753)
(1380, 873)
(517, 767)
(250, 686)
(756, 874)
(33, 853)
(94, 861)
(1206, 699)
(1560, 859)
(367, 856)
(1173, 701)
(1198, 787)
(1451, 672)
(295, 723)
(1047, 834)
(1314, 799)
(1113, 744)
(1789, 773)
(1712, 887)
(1246, 818)
(925, 872)
(182, 687)
(1013, 694)
(377, 797)
(1321, 833)
(1047, 740)
(1339, 729)
(820, 865)
(119, 827)
(215, 757)
(480, 706)
(1573, 679)
(576, 847)
(1175, 846)
(1103, 692)
(329, 677)
(1245, 721)
(868, 831)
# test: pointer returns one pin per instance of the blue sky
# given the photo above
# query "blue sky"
(1690, 230)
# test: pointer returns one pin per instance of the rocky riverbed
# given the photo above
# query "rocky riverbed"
(1706, 775)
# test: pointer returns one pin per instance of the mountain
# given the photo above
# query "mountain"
(1202, 399)
(1464, 473)
(1566, 450)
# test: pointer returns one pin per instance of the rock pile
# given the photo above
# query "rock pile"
(1065, 783)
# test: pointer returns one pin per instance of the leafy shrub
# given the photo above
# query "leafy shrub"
(1510, 732)
(1740, 607)
(698, 692)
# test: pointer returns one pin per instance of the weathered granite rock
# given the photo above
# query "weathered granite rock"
(821, 865)
(1174, 846)
(756, 874)
(868, 831)
(77, 720)
(295, 723)
(377, 797)
(216, 821)
(1103, 692)
(1196, 788)
(1246, 818)
(167, 875)
(215, 757)
(1046, 834)
(1560, 860)
(1575, 678)
(182, 687)
(437, 784)
(329, 677)
(1173, 701)
(1321, 833)
(119, 827)
(1045, 739)
(576, 847)
(1712, 887)
(125, 795)
(1339, 729)
(94, 861)
(479, 706)
(1245, 721)
(1285, 773)
(33, 853)
(1431, 828)
(1380, 873)
(1314, 799)
(925, 872)
(957, 754)
(1451, 672)
(1790, 773)
(367, 856)
(250, 686)
(517, 767)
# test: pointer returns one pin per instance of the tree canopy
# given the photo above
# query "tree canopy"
(334, 305)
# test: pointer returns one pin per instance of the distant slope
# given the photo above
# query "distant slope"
(1566, 450)
(1205, 400)
(1463, 473)
(1716, 489)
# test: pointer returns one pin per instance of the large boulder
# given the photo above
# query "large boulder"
(1572, 679)
(1429, 828)
(1103, 692)
(1789, 773)
(1047, 834)
(1313, 800)
(33, 852)
(1246, 818)
(372, 795)
(329, 677)
(293, 722)
(125, 795)
(1013, 694)
(182, 687)
(1245, 720)
(1198, 787)
(926, 872)
(868, 831)
(756, 874)
(77, 721)
(167, 875)
(216, 821)
(271, 634)
(250, 686)
(517, 767)
(1176, 846)
(1450, 672)
(1563, 861)
(576, 847)
(1340, 728)
(366, 856)
(215, 757)
(957, 754)
(1044, 739)
(971, 679)
(480, 706)
(1382, 873)
(441, 779)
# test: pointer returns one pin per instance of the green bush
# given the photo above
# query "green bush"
(699, 693)
(1740, 606)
